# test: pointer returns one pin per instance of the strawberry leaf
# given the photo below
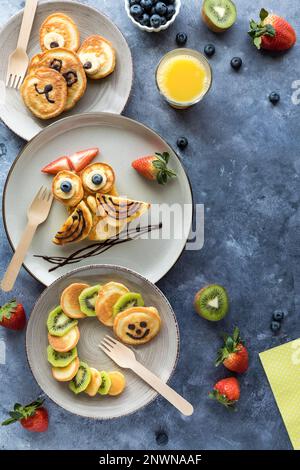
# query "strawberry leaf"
(8, 309)
(257, 42)
(263, 14)
(8, 421)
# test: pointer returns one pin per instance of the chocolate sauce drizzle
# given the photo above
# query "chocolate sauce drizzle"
(45, 92)
(97, 248)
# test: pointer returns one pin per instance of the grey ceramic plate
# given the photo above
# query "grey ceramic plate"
(121, 140)
(110, 94)
(159, 355)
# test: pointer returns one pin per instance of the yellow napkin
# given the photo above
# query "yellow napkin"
(282, 366)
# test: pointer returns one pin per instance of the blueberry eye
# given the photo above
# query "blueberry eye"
(66, 186)
(87, 65)
(97, 179)
(131, 327)
(143, 324)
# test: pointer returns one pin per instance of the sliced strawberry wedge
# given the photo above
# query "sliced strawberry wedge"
(60, 164)
(81, 159)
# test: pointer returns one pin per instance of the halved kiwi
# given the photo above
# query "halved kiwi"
(212, 302)
(105, 383)
(118, 383)
(87, 300)
(219, 15)
(59, 359)
(82, 379)
(58, 323)
(132, 299)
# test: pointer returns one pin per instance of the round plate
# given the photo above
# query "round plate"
(110, 94)
(159, 355)
(121, 140)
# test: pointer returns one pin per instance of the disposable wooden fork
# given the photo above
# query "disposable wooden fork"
(37, 213)
(18, 60)
(125, 357)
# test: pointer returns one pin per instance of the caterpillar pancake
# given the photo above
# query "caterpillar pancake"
(59, 30)
(97, 56)
(44, 92)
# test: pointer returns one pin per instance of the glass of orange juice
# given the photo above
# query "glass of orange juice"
(183, 77)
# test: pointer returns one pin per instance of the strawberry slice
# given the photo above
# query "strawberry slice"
(81, 159)
(60, 164)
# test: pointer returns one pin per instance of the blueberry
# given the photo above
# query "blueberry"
(155, 21)
(181, 39)
(66, 186)
(209, 50)
(163, 20)
(146, 4)
(162, 438)
(136, 11)
(170, 11)
(161, 8)
(275, 326)
(182, 143)
(97, 179)
(274, 97)
(278, 315)
(145, 19)
(236, 63)
(134, 2)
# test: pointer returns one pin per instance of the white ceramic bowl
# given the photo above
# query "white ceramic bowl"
(150, 29)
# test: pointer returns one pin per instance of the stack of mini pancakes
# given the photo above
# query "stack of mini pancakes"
(57, 77)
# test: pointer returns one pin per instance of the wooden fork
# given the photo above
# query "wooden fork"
(18, 60)
(37, 213)
(125, 358)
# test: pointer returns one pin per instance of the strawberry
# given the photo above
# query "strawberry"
(60, 164)
(12, 316)
(272, 33)
(226, 391)
(234, 355)
(81, 159)
(32, 417)
(154, 167)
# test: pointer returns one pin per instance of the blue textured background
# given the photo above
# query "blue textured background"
(243, 161)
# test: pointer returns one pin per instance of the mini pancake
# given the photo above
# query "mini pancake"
(98, 177)
(137, 325)
(118, 383)
(77, 226)
(119, 211)
(93, 386)
(97, 56)
(69, 301)
(107, 297)
(44, 92)
(67, 188)
(65, 374)
(67, 63)
(65, 343)
(59, 30)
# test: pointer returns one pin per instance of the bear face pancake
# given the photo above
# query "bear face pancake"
(137, 325)
(97, 56)
(59, 30)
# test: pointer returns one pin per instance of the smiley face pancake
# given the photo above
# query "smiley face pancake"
(137, 325)
(98, 177)
(77, 226)
(67, 188)
(97, 56)
(59, 30)
(108, 295)
(44, 93)
(65, 62)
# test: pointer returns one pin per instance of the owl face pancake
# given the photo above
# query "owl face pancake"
(67, 188)
(77, 226)
(97, 56)
(137, 325)
(98, 177)
(69, 66)
(44, 92)
(108, 295)
(59, 30)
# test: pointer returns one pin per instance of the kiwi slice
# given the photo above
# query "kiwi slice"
(105, 384)
(59, 359)
(82, 379)
(87, 300)
(212, 302)
(219, 15)
(132, 299)
(58, 323)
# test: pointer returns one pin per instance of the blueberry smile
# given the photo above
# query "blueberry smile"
(139, 337)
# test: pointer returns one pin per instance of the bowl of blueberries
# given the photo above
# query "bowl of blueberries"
(152, 15)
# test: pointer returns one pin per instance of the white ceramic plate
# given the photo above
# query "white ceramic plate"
(121, 140)
(110, 94)
(159, 355)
